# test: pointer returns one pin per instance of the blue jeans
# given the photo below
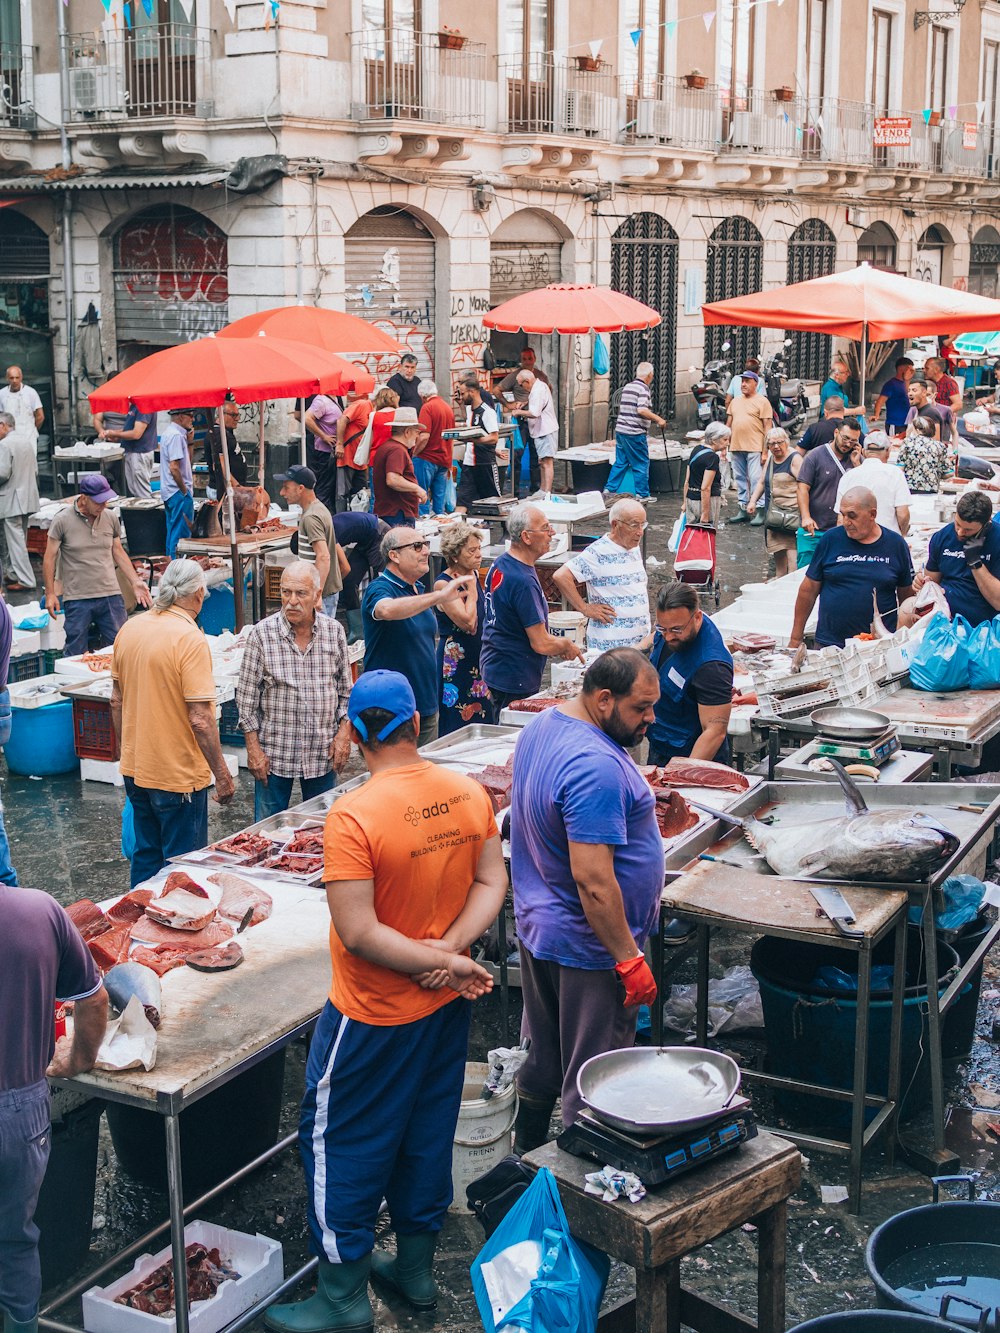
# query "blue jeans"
(166, 823)
(432, 476)
(746, 474)
(275, 795)
(25, 1132)
(631, 455)
(8, 875)
(330, 605)
(107, 613)
(180, 514)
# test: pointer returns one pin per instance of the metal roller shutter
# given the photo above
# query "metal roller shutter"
(521, 266)
(170, 277)
(390, 280)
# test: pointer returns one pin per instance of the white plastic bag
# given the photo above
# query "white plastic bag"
(676, 532)
(733, 1004)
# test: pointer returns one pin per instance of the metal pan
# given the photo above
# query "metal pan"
(849, 724)
(658, 1089)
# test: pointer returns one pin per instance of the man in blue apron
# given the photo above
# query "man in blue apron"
(696, 680)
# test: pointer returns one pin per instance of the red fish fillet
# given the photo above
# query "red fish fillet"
(130, 908)
(177, 879)
(681, 772)
(161, 959)
(87, 917)
(240, 897)
(147, 931)
(673, 814)
(110, 948)
(222, 959)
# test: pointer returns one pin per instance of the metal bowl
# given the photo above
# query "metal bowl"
(849, 724)
(658, 1089)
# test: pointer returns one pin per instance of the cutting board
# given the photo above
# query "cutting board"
(966, 708)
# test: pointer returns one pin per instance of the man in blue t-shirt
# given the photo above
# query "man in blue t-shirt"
(587, 870)
(137, 436)
(962, 557)
(895, 398)
(516, 638)
(400, 628)
(852, 567)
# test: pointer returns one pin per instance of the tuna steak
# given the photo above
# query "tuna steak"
(889, 845)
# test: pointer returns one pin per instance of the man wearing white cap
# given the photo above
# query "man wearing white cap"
(176, 481)
(885, 481)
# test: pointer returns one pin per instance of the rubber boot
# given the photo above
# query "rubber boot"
(341, 1303)
(12, 1325)
(355, 627)
(758, 519)
(411, 1271)
(741, 517)
(531, 1128)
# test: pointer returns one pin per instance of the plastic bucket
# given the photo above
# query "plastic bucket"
(568, 625)
(65, 1211)
(960, 1020)
(873, 1321)
(483, 1132)
(810, 1030)
(41, 741)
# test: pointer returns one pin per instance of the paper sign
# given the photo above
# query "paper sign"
(970, 131)
(892, 132)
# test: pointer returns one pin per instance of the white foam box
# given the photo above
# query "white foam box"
(101, 770)
(23, 693)
(25, 642)
(54, 633)
(257, 1259)
(74, 668)
(237, 752)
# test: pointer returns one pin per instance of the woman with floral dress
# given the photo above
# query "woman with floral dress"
(464, 696)
(924, 459)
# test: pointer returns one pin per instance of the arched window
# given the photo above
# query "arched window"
(812, 253)
(877, 246)
(984, 263)
(644, 265)
(735, 263)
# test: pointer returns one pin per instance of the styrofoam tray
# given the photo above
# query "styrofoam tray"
(74, 668)
(23, 692)
(257, 1259)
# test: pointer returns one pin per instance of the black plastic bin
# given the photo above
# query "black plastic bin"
(145, 530)
(960, 1020)
(65, 1212)
(874, 1321)
(219, 1134)
(589, 476)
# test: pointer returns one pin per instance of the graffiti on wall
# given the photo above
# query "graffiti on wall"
(382, 298)
(172, 259)
(467, 337)
(519, 270)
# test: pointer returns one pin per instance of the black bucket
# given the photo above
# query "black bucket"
(926, 1228)
(873, 1321)
(65, 1211)
(960, 1020)
(145, 530)
(219, 1134)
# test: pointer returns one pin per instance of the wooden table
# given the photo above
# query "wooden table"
(750, 1184)
(250, 547)
(713, 894)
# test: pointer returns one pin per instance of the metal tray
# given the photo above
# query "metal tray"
(850, 724)
(658, 1089)
(476, 732)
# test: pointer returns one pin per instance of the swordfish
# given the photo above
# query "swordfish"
(894, 845)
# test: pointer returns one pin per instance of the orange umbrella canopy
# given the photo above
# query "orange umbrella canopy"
(571, 308)
(333, 330)
(204, 373)
(864, 302)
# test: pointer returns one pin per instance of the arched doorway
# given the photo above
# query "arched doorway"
(525, 253)
(929, 260)
(24, 304)
(735, 265)
(644, 265)
(877, 246)
(390, 265)
(171, 280)
(812, 253)
(984, 263)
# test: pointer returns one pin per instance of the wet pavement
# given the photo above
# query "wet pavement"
(65, 839)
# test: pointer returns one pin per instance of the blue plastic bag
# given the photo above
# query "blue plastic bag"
(601, 361)
(984, 655)
(128, 830)
(941, 662)
(450, 494)
(565, 1292)
(963, 899)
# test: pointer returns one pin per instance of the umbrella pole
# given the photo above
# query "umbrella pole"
(260, 450)
(302, 437)
(231, 509)
(864, 365)
(569, 372)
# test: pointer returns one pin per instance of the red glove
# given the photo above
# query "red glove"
(639, 982)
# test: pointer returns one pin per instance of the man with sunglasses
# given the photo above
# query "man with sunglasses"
(400, 628)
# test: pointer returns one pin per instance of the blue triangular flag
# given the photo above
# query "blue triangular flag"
(127, 10)
(635, 34)
(671, 27)
(926, 113)
(148, 7)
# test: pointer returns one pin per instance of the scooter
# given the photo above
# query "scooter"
(787, 396)
(710, 391)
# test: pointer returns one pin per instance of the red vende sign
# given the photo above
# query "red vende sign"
(892, 132)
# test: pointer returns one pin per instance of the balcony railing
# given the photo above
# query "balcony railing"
(16, 86)
(549, 96)
(149, 71)
(406, 75)
(665, 110)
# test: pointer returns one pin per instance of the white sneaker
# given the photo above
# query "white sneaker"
(646, 499)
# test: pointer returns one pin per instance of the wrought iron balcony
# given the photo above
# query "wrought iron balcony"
(17, 110)
(543, 95)
(433, 77)
(667, 111)
(151, 71)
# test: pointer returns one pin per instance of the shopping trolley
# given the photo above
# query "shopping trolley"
(694, 562)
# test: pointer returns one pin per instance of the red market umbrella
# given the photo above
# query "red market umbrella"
(565, 307)
(865, 303)
(332, 330)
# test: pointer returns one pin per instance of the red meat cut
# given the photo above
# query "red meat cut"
(673, 814)
(222, 959)
(130, 908)
(680, 772)
(88, 918)
(160, 959)
(111, 947)
(498, 781)
(240, 897)
(147, 931)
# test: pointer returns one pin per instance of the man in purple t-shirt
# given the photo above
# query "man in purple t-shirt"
(42, 959)
(587, 870)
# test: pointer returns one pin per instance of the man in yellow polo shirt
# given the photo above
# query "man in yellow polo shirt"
(163, 708)
(414, 875)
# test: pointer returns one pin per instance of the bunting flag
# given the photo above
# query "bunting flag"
(798, 132)
(785, 114)
(709, 18)
(148, 7)
(926, 113)
(127, 11)
(952, 112)
(820, 127)
(187, 6)
(672, 28)
(231, 10)
(107, 6)
(980, 110)
(635, 34)
(595, 47)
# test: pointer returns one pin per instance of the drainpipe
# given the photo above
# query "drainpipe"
(69, 290)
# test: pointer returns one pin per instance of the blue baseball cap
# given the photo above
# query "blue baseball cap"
(388, 690)
(750, 375)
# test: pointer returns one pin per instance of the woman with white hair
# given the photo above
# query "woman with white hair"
(703, 478)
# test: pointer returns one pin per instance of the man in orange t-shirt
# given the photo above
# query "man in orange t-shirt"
(414, 875)
(350, 431)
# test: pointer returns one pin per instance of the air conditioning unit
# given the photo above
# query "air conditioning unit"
(97, 90)
(580, 112)
(654, 120)
(747, 132)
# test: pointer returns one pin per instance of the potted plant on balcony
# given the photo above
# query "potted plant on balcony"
(935, 118)
(589, 64)
(450, 39)
(784, 94)
(695, 79)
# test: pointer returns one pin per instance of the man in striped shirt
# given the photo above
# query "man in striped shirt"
(631, 445)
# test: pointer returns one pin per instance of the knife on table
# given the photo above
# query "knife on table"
(838, 909)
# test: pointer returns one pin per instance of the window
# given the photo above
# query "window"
(381, 15)
(642, 66)
(526, 29)
(815, 49)
(881, 60)
(940, 39)
(988, 85)
(10, 27)
(164, 31)
(736, 42)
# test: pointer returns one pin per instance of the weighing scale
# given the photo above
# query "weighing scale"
(657, 1158)
(870, 751)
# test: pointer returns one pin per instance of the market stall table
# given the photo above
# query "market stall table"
(80, 458)
(252, 547)
(214, 1028)
(750, 1184)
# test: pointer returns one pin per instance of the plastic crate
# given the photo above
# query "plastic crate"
(49, 658)
(27, 667)
(93, 732)
(37, 540)
(230, 731)
(272, 582)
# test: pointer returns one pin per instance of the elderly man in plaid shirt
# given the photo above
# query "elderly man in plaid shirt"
(294, 685)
